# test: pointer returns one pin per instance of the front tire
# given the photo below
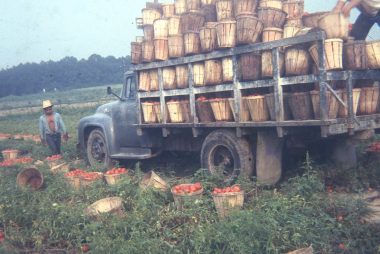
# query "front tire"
(97, 150)
(224, 153)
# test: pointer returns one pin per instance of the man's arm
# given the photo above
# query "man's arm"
(62, 128)
(349, 6)
(339, 6)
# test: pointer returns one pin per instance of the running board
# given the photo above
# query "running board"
(136, 153)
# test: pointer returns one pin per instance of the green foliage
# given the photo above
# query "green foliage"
(67, 73)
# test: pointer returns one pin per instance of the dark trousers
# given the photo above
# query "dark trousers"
(363, 25)
(54, 143)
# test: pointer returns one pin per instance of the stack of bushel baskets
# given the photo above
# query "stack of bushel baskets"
(191, 27)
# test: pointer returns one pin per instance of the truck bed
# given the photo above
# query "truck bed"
(328, 127)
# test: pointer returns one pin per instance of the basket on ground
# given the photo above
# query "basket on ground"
(181, 199)
(221, 109)
(152, 180)
(368, 101)
(113, 176)
(332, 104)
(105, 205)
(10, 154)
(30, 178)
(226, 202)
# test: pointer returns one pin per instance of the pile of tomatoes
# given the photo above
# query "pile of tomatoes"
(2, 236)
(11, 162)
(202, 99)
(54, 157)
(232, 189)
(89, 176)
(10, 151)
(183, 189)
(117, 171)
(374, 147)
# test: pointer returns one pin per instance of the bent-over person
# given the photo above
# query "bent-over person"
(51, 128)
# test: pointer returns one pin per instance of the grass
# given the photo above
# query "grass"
(295, 214)
(60, 97)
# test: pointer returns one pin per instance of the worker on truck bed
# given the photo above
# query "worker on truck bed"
(370, 14)
(51, 128)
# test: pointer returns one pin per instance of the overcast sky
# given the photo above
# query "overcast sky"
(42, 30)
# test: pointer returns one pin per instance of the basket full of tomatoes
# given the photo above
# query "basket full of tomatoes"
(54, 160)
(79, 178)
(112, 176)
(184, 193)
(227, 198)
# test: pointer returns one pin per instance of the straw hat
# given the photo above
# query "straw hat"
(47, 104)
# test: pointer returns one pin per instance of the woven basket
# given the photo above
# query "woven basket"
(181, 73)
(136, 52)
(105, 205)
(61, 168)
(343, 111)
(303, 251)
(149, 113)
(222, 110)
(248, 29)
(269, 98)
(301, 106)
(311, 20)
(226, 202)
(149, 15)
(355, 55)
(204, 111)
(272, 17)
(208, 38)
(272, 34)
(224, 9)
(85, 183)
(373, 54)
(249, 66)
(179, 111)
(226, 33)
(333, 54)
(209, 12)
(244, 7)
(294, 8)
(257, 108)
(152, 180)
(192, 22)
(332, 104)
(168, 10)
(276, 4)
(181, 199)
(267, 66)
(368, 101)
(199, 74)
(297, 61)
(244, 112)
(114, 178)
(10, 154)
(30, 178)
(213, 72)
(335, 25)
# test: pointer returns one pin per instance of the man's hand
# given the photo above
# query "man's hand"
(339, 6)
(66, 137)
(43, 142)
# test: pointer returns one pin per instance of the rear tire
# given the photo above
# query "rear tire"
(224, 153)
(97, 150)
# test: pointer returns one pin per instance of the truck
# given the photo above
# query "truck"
(117, 130)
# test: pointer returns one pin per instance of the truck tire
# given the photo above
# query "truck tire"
(224, 153)
(97, 150)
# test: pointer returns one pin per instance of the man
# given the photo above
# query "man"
(370, 14)
(51, 127)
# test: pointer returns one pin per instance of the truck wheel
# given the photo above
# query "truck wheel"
(97, 150)
(224, 153)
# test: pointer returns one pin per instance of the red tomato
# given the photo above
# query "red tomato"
(2, 235)
(339, 218)
(228, 189)
(193, 188)
(342, 246)
(236, 188)
(85, 247)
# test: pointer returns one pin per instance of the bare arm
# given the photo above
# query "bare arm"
(339, 6)
(349, 6)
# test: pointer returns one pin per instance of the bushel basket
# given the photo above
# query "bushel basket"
(181, 200)
(221, 109)
(226, 202)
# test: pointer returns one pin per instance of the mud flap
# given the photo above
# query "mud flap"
(268, 157)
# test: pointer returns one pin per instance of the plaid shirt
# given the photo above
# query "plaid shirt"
(44, 126)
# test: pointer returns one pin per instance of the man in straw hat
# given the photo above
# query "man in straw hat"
(51, 127)
(370, 14)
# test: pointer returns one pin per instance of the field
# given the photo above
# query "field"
(316, 204)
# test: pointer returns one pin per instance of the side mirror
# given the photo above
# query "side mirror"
(109, 90)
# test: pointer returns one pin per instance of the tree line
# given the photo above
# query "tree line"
(65, 74)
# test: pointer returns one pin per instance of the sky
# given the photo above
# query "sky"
(43, 30)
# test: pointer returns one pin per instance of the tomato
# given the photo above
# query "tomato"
(85, 247)
(228, 189)
(2, 235)
(193, 188)
(236, 188)
(342, 246)
(330, 189)
(339, 218)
